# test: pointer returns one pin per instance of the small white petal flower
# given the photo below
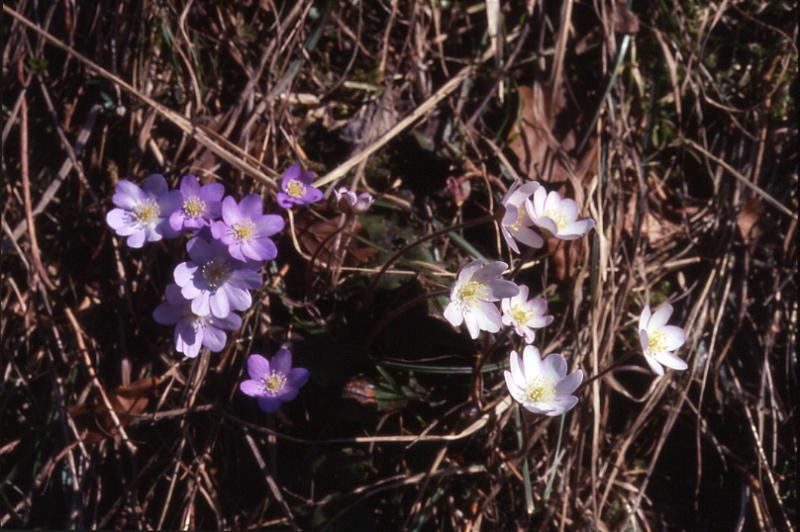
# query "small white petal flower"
(348, 201)
(525, 315)
(542, 386)
(473, 295)
(516, 224)
(659, 340)
(559, 216)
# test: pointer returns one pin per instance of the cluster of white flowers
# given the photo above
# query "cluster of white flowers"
(541, 386)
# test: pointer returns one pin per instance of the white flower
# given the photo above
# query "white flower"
(516, 223)
(525, 315)
(558, 216)
(348, 201)
(473, 295)
(659, 340)
(542, 386)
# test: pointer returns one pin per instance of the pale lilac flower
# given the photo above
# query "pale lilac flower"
(200, 204)
(542, 386)
(659, 340)
(245, 230)
(273, 382)
(559, 216)
(516, 225)
(214, 282)
(142, 214)
(473, 295)
(349, 202)
(296, 188)
(525, 315)
(193, 331)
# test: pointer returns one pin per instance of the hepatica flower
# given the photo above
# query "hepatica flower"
(542, 386)
(659, 340)
(214, 282)
(559, 216)
(193, 331)
(199, 206)
(516, 224)
(273, 382)
(349, 202)
(473, 295)
(525, 315)
(245, 230)
(296, 188)
(142, 214)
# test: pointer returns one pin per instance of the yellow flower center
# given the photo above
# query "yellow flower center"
(558, 218)
(147, 212)
(656, 343)
(540, 390)
(243, 231)
(274, 382)
(471, 292)
(215, 273)
(194, 207)
(520, 314)
(295, 188)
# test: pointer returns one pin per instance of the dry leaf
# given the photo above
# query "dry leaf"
(747, 219)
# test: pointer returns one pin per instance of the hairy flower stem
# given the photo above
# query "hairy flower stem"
(402, 251)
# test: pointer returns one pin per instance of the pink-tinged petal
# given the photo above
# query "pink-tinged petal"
(220, 306)
(212, 193)
(507, 320)
(546, 223)
(644, 318)
(531, 363)
(298, 377)
(118, 219)
(251, 387)
(517, 372)
(136, 239)
(468, 270)
(510, 216)
(269, 224)
(654, 365)
(183, 274)
(128, 195)
(577, 229)
(569, 384)
(671, 361)
(552, 202)
(505, 304)
(528, 189)
(509, 238)
(214, 339)
(561, 405)
(660, 317)
(529, 237)
(239, 299)
(231, 213)
(251, 206)
(490, 271)
(452, 313)
(269, 405)
(644, 341)
(538, 322)
(258, 367)
(522, 293)
(472, 325)
(537, 205)
(527, 333)
(282, 361)
(555, 365)
(155, 184)
(231, 322)
(674, 337)
(488, 317)
(569, 209)
(151, 234)
(166, 314)
(502, 289)
(515, 391)
(510, 193)
(200, 304)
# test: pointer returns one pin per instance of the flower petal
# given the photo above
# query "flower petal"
(251, 206)
(269, 224)
(452, 313)
(555, 365)
(269, 404)
(528, 237)
(517, 373)
(674, 337)
(472, 325)
(671, 361)
(569, 384)
(220, 306)
(654, 365)
(231, 213)
(490, 271)
(501, 289)
(253, 388)
(136, 239)
(515, 391)
(214, 338)
(238, 298)
(128, 195)
(184, 273)
(644, 318)
(660, 317)
(488, 316)
(166, 314)
(155, 184)
(531, 363)
(257, 366)
(298, 377)
(282, 361)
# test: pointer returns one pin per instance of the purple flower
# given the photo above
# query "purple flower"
(213, 282)
(142, 214)
(296, 188)
(200, 205)
(245, 230)
(193, 331)
(275, 382)
(349, 202)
